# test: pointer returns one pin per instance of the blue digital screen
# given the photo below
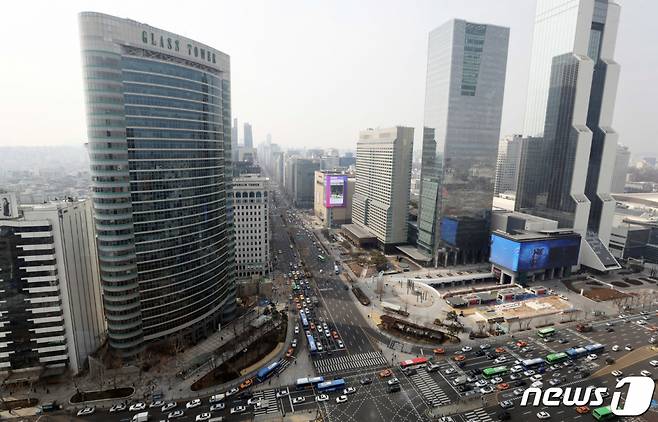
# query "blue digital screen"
(535, 255)
(449, 230)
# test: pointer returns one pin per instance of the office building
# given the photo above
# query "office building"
(51, 310)
(159, 129)
(234, 140)
(303, 191)
(251, 196)
(381, 190)
(507, 165)
(333, 197)
(622, 160)
(569, 156)
(248, 136)
(466, 65)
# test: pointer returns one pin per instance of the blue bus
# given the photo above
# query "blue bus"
(532, 363)
(311, 344)
(594, 348)
(331, 385)
(302, 316)
(267, 371)
(308, 382)
(576, 352)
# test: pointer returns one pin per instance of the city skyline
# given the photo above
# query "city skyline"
(355, 99)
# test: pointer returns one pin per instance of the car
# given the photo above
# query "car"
(157, 403)
(282, 393)
(481, 383)
(543, 415)
(232, 391)
(519, 383)
(394, 388)
(297, 400)
(192, 404)
(610, 330)
(321, 398)
(496, 380)
(518, 391)
(479, 353)
(609, 360)
(514, 377)
(246, 395)
(386, 373)
(536, 377)
(582, 410)
(592, 356)
(86, 411)
(341, 399)
(294, 343)
(410, 371)
(290, 352)
(449, 371)
(563, 341)
(297, 326)
(238, 409)
(168, 406)
(500, 350)
(439, 351)
(516, 368)
(563, 297)
(615, 348)
(501, 359)
(217, 406)
(617, 373)
(137, 407)
(507, 404)
(446, 419)
(645, 373)
(393, 381)
(654, 363)
(175, 414)
(349, 390)
(529, 372)
(119, 407)
(340, 344)
(459, 358)
(253, 400)
(365, 381)
(628, 348)
(466, 349)
(554, 381)
(502, 386)
(487, 389)
(203, 417)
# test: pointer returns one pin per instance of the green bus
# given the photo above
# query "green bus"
(494, 372)
(603, 413)
(556, 357)
(546, 332)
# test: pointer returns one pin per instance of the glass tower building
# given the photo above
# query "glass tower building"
(159, 130)
(466, 65)
(569, 151)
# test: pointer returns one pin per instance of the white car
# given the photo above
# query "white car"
(628, 348)
(296, 331)
(501, 359)
(297, 400)
(543, 415)
(486, 390)
(86, 411)
(157, 403)
(349, 390)
(137, 407)
(192, 404)
(322, 397)
(654, 363)
(496, 380)
(615, 348)
(340, 344)
(516, 368)
(253, 400)
(617, 373)
(449, 371)
(529, 373)
(294, 343)
(119, 407)
(175, 414)
(485, 346)
(645, 373)
(592, 356)
(507, 404)
(232, 391)
(466, 349)
(536, 377)
(168, 406)
(216, 407)
(203, 417)
(481, 383)
(518, 391)
(282, 393)
(238, 409)
(341, 399)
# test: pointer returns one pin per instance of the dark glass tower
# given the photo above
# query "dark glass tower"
(158, 117)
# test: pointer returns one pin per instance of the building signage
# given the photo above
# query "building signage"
(151, 38)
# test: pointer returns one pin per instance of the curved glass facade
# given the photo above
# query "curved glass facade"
(159, 146)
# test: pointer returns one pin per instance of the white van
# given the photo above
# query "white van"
(141, 417)
(217, 398)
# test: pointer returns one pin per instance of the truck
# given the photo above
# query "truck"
(583, 328)
(141, 417)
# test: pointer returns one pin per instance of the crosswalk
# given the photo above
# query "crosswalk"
(478, 415)
(284, 364)
(269, 397)
(429, 389)
(350, 362)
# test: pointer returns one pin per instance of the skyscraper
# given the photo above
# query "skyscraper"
(507, 165)
(568, 161)
(248, 137)
(159, 121)
(622, 159)
(383, 176)
(466, 65)
(234, 140)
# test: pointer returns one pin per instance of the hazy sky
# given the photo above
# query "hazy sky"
(312, 73)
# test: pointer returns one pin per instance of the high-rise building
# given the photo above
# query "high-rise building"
(159, 124)
(466, 65)
(251, 198)
(567, 168)
(234, 140)
(507, 165)
(303, 190)
(622, 160)
(248, 136)
(333, 197)
(383, 177)
(51, 309)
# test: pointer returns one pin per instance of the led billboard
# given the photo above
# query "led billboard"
(334, 190)
(536, 254)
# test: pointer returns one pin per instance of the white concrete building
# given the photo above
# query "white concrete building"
(622, 160)
(251, 199)
(51, 309)
(383, 176)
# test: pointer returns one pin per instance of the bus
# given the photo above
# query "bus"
(576, 352)
(308, 382)
(334, 385)
(321, 258)
(557, 357)
(267, 371)
(494, 372)
(546, 332)
(311, 344)
(410, 363)
(532, 363)
(594, 348)
(603, 413)
(302, 317)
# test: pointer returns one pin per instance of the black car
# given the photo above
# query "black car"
(610, 329)
(394, 388)
(479, 353)
(365, 381)
(492, 355)
(410, 371)
(609, 361)
(563, 341)
(520, 383)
